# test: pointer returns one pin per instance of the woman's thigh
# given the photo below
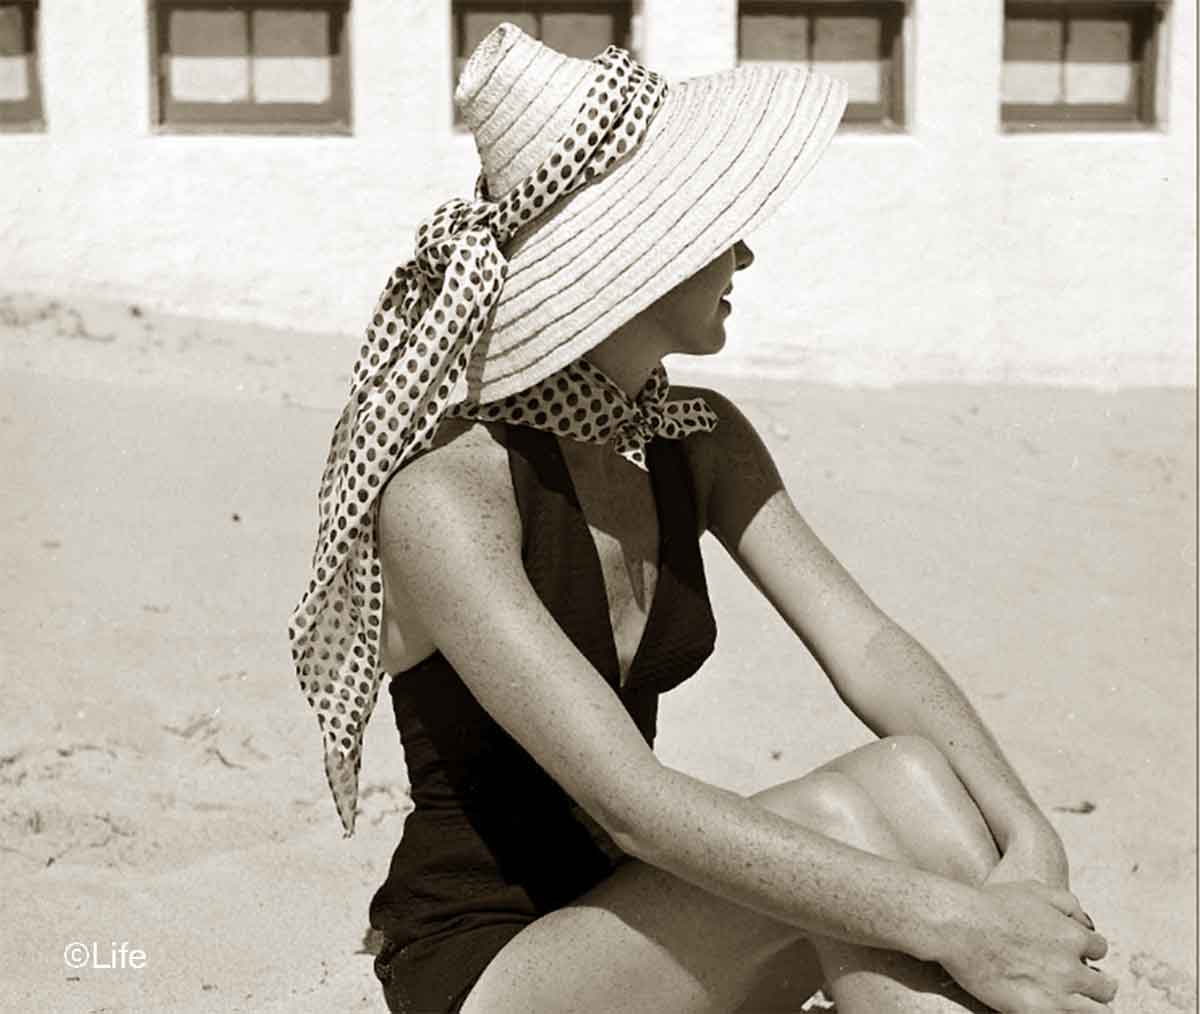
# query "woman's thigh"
(644, 940)
(641, 941)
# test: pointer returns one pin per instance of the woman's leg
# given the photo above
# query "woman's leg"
(906, 803)
(644, 940)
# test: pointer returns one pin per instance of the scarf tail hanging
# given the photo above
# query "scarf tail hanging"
(425, 336)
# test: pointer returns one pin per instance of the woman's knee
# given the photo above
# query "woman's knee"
(833, 804)
(921, 796)
(920, 760)
(909, 757)
(907, 770)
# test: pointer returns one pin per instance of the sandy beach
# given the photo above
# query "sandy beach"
(160, 772)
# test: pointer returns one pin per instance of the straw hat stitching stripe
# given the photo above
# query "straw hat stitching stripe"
(734, 231)
(575, 221)
(481, 136)
(655, 175)
(572, 213)
(737, 230)
(773, 148)
(573, 216)
(559, 67)
(686, 151)
(481, 87)
(762, 167)
(601, 261)
(805, 150)
(576, 89)
(602, 146)
(723, 244)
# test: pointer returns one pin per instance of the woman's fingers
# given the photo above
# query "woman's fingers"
(1096, 947)
(1066, 903)
(1095, 985)
(1082, 1005)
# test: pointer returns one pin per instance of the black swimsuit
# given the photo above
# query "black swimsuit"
(493, 842)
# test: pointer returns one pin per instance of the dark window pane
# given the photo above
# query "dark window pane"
(581, 35)
(210, 53)
(1100, 64)
(292, 62)
(1032, 61)
(851, 48)
(477, 25)
(769, 38)
(12, 30)
(14, 62)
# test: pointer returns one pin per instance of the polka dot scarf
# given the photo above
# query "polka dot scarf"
(582, 403)
(424, 338)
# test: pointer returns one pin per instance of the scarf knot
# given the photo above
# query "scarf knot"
(581, 402)
(452, 233)
(640, 421)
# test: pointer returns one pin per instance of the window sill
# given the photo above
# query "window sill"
(255, 129)
(860, 129)
(25, 127)
(1081, 127)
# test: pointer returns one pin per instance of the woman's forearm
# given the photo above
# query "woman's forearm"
(901, 689)
(734, 848)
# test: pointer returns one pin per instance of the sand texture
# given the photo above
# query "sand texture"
(160, 775)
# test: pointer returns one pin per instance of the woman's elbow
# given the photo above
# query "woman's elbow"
(625, 808)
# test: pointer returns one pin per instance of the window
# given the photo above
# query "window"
(266, 66)
(20, 86)
(1080, 64)
(581, 28)
(861, 43)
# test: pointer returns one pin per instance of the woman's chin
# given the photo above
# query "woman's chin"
(717, 339)
(701, 341)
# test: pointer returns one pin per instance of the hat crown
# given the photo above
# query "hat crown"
(518, 97)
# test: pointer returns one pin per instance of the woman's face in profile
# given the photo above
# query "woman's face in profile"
(693, 313)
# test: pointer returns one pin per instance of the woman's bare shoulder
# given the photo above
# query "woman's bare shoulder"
(734, 431)
(464, 473)
(732, 469)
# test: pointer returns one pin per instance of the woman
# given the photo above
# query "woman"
(509, 524)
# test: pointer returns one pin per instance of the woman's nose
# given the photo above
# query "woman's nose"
(743, 256)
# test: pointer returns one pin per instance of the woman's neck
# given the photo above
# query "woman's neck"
(628, 356)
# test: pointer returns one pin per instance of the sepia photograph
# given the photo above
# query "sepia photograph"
(598, 506)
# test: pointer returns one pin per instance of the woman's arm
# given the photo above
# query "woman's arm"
(887, 679)
(450, 532)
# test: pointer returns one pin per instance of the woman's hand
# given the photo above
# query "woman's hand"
(1024, 952)
(1033, 853)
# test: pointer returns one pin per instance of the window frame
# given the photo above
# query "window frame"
(1146, 20)
(622, 27)
(179, 117)
(876, 117)
(27, 116)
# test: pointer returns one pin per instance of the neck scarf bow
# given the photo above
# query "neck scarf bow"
(581, 402)
(424, 338)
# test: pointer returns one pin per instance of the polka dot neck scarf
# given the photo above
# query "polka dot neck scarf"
(582, 403)
(424, 338)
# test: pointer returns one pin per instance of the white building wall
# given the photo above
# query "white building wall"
(953, 251)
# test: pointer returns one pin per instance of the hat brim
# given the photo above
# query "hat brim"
(722, 153)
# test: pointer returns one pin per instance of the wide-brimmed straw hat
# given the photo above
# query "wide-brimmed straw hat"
(602, 188)
(719, 155)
